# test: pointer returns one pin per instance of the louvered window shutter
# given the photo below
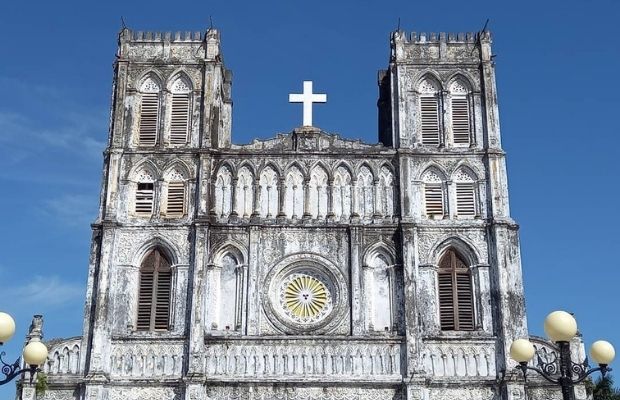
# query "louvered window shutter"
(179, 118)
(465, 199)
(149, 116)
(429, 111)
(176, 199)
(456, 302)
(144, 198)
(433, 197)
(460, 121)
(154, 293)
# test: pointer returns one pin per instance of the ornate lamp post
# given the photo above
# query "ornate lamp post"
(34, 354)
(561, 327)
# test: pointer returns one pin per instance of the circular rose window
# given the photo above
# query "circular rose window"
(304, 298)
(305, 293)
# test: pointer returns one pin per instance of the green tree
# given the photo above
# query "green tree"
(603, 389)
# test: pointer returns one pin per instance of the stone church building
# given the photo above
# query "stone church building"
(307, 266)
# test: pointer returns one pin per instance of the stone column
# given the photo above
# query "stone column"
(482, 295)
(428, 309)
(449, 209)
(257, 200)
(212, 199)
(253, 292)
(233, 197)
(355, 202)
(241, 277)
(378, 209)
(179, 296)
(281, 193)
(212, 307)
(357, 320)
(330, 200)
(307, 200)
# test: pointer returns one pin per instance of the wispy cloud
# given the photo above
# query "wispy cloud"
(72, 209)
(48, 290)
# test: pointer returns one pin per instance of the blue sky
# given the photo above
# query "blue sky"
(557, 73)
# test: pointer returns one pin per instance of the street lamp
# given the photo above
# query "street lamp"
(561, 327)
(34, 354)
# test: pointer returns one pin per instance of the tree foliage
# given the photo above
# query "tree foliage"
(603, 389)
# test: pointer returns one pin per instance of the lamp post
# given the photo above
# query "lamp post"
(34, 354)
(561, 327)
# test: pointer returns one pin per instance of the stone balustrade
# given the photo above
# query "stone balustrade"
(64, 356)
(147, 358)
(463, 358)
(300, 358)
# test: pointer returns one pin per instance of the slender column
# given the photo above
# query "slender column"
(257, 199)
(307, 199)
(281, 194)
(212, 211)
(233, 197)
(213, 300)
(241, 273)
(357, 322)
(378, 212)
(355, 202)
(449, 210)
(330, 200)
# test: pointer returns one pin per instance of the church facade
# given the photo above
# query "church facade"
(307, 266)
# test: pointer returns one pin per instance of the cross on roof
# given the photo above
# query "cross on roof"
(307, 98)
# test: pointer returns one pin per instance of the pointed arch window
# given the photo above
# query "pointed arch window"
(429, 113)
(433, 195)
(145, 191)
(244, 193)
(223, 192)
(460, 115)
(269, 193)
(365, 188)
(465, 194)
(179, 114)
(149, 112)
(176, 193)
(456, 305)
(341, 195)
(154, 293)
(294, 194)
(318, 193)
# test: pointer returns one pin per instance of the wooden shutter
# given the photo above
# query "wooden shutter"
(179, 118)
(144, 198)
(176, 199)
(149, 116)
(460, 121)
(154, 293)
(433, 197)
(145, 300)
(429, 111)
(446, 302)
(465, 199)
(456, 303)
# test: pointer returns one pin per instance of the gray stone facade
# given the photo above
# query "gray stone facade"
(347, 218)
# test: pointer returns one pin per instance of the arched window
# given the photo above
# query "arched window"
(155, 290)
(229, 318)
(460, 115)
(179, 114)
(175, 194)
(149, 112)
(294, 194)
(365, 188)
(268, 193)
(434, 189)
(318, 192)
(244, 192)
(145, 189)
(429, 112)
(456, 300)
(223, 192)
(386, 192)
(341, 195)
(465, 193)
(378, 286)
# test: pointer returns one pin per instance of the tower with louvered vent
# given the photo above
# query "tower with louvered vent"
(307, 266)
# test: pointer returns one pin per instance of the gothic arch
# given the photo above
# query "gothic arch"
(270, 164)
(178, 165)
(320, 164)
(236, 249)
(465, 249)
(345, 165)
(428, 76)
(437, 169)
(379, 249)
(467, 169)
(154, 74)
(250, 166)
(225, 164)
(358, 168)
(144, 165)
(169, 249)
(180, 74)
(296, 164)
(464, 78)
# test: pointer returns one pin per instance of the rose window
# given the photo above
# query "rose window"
(305, 298)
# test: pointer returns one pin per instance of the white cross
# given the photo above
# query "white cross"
(307, 98)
